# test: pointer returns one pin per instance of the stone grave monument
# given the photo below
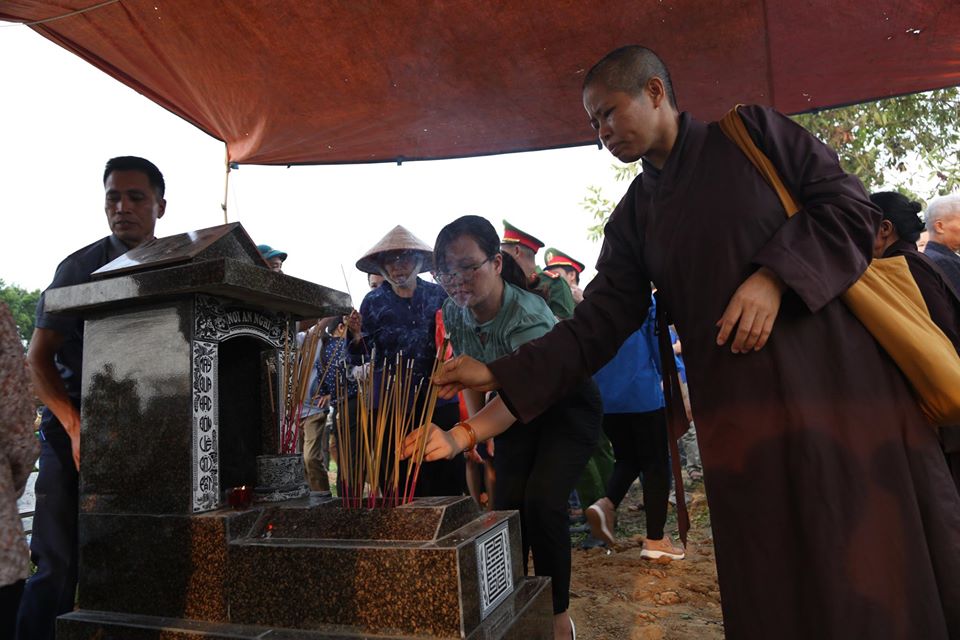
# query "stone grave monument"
(180, 405)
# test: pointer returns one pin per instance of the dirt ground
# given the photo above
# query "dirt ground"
(619, 596)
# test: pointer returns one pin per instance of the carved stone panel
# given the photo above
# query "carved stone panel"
(493, 568)
(206, 479)
(216, 320)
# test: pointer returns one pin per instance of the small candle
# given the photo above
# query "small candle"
(239, 497)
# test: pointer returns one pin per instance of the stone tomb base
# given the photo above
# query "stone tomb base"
(309, 569)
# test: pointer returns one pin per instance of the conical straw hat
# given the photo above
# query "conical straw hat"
(399, 239)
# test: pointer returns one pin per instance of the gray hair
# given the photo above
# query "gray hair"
(942, 207)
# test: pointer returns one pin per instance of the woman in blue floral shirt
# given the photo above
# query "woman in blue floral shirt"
(399, 317)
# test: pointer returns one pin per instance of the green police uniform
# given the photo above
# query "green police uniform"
(556, 259)
(550, 286)
(555, 290)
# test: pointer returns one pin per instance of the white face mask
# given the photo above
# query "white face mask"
(405, 280)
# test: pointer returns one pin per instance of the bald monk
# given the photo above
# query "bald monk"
(833, 513)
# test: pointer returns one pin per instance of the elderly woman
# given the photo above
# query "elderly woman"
(399, 317)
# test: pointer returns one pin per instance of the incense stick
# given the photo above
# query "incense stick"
(391, 401)
(345, 283)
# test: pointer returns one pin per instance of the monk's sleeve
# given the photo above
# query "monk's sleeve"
(827, 245)
(615, 304)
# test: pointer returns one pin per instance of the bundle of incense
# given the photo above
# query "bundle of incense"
(371, 464)
(298, 365)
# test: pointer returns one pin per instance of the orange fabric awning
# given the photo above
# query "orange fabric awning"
(353, 81)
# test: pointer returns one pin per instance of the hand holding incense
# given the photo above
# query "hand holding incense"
(434, 443)
(463, 372)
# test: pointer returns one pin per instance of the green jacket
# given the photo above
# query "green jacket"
(555, 290)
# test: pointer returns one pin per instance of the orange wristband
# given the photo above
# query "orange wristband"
(470, 434)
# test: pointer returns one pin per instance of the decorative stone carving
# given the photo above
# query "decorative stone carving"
(206, 477)
(280, 477)
(216, 322)
(493, 568)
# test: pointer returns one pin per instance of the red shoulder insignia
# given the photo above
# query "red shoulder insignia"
(550, 274)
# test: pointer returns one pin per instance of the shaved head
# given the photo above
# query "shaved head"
(628, 69)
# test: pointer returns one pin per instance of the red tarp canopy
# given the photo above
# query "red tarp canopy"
(352, 81)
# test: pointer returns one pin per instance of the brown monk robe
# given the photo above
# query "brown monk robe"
(833, 513)
(944, 307)
(941, 300)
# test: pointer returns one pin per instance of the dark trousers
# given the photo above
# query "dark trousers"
(51, 591)
(9, 603)
(537, 466)
(640, 447)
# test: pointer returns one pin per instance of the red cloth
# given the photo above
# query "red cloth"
(343, 81)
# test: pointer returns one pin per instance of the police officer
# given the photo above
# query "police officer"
(565, 266)
(523, 247)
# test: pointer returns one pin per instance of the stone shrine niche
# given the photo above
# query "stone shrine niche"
(235, 415)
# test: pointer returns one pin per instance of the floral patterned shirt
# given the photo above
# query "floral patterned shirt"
(19, 448)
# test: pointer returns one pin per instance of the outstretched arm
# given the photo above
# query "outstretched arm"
(490, 421)
(464, 372)
(615, 304)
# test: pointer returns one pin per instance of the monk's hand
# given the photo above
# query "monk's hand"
(463, 372)
(439, 445)
(752, 310)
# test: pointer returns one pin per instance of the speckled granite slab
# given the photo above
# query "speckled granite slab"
(526, 615)
(437, 567)
(411, 569)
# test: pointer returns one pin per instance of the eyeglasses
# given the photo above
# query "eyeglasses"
(467, 274)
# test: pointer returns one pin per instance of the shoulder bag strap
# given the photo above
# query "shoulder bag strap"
(733, 127)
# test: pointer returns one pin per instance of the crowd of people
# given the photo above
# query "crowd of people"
(833, 507)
